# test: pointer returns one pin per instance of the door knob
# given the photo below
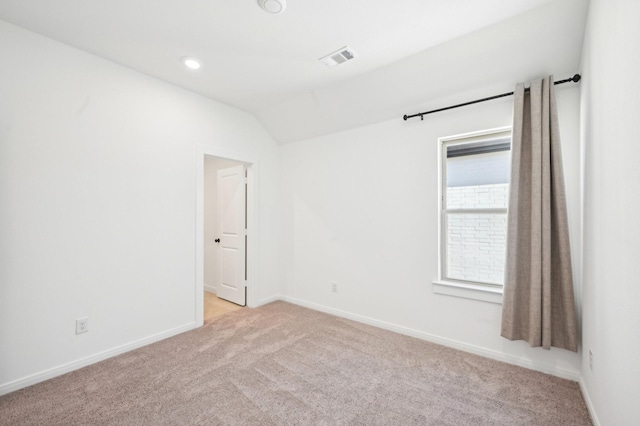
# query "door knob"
(217, 240)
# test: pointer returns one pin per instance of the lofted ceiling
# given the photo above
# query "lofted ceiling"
(411, 54)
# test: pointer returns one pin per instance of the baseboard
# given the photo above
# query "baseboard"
(270, 299)
(92, 359)
(210, 288)
(477, 350)
(587, 400)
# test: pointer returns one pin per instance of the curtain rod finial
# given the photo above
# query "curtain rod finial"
(405, 117)
(576, 78)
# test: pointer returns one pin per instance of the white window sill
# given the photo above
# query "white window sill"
(468, 291)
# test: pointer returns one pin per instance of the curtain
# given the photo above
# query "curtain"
(538, 304)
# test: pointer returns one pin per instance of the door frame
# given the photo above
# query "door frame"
(253, 231)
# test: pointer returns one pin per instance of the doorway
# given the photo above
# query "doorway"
(215, 306)
(222, 264)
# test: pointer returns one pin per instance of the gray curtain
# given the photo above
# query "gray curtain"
(538, 294)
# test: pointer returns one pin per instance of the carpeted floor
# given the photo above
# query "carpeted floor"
(282, 364)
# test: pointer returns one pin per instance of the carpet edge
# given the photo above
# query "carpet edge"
(50, 373)
(455, 344)
(587, 400)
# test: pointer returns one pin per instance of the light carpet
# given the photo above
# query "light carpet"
(282, 364)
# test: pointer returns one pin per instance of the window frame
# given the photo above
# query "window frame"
(489, 292)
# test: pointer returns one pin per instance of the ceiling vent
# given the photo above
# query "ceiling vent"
(338, 57)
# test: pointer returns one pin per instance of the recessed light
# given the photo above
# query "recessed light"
(273, 6)
(191, 63)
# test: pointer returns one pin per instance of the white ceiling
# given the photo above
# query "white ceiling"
(411, 53)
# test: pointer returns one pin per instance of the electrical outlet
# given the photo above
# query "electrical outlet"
(82, 325)
(334, 287)
(590, 360)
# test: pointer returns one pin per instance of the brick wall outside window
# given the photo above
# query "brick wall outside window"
(476, 242)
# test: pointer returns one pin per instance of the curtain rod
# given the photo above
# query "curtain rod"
(575, 79)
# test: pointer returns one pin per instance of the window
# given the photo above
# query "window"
(474, 191)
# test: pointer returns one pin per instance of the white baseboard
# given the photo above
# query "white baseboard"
(477, 350)
(92, 359)
(270, 299)
(14, 385)
(587, 400)
(210, 288)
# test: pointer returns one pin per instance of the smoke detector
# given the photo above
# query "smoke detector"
(338, 57)
(273, 6)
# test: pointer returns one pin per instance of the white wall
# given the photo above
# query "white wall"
(611, 155)
(97, 204)
(211, 264)
(360, 208)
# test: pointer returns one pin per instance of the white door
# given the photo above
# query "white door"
(231, 228)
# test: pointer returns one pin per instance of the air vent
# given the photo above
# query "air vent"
(338, 57)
